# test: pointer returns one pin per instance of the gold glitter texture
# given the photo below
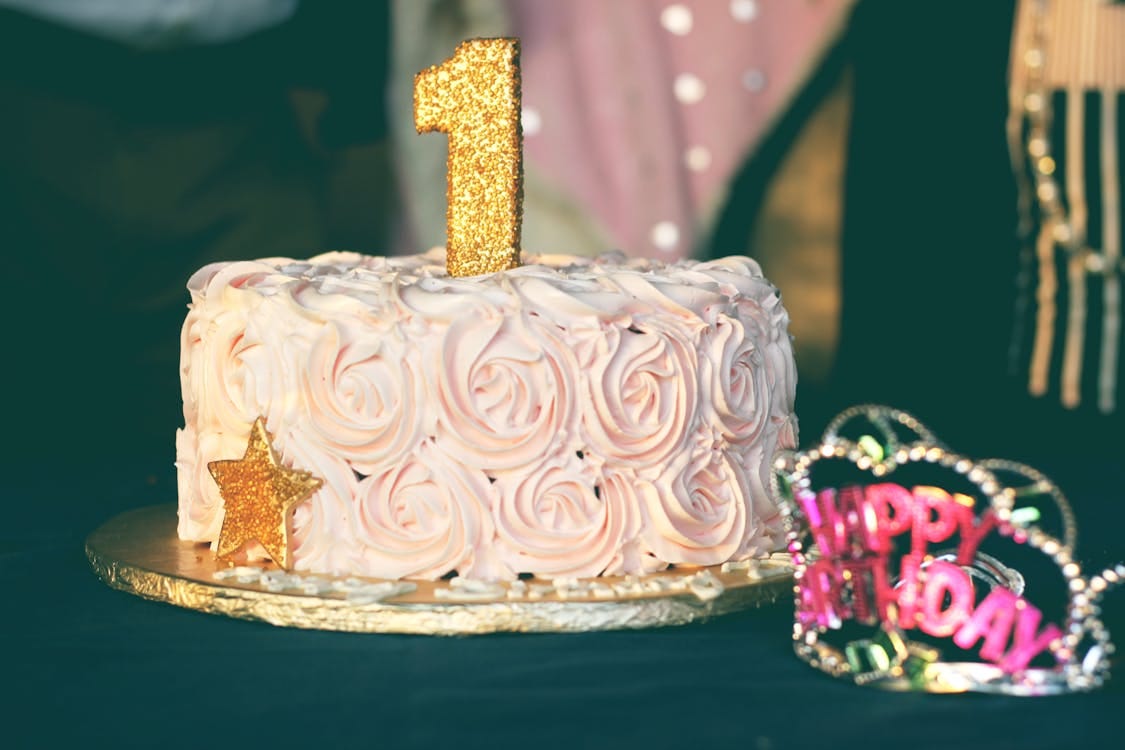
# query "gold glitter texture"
(258, 496)
(140, 553)
(474, 97)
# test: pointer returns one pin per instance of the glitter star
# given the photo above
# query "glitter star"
(258, 496)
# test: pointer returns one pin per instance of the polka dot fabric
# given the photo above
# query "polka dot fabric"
(642, 110)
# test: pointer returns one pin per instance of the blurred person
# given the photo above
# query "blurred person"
(973, 295)
(637, 114)
(138, 142)
(666, 129)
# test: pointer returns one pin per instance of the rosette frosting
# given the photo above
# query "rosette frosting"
(571, 417)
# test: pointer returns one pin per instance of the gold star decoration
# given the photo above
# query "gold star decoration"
(258, 496)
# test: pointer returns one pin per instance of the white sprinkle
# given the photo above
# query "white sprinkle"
(676, 19)
(754, 79)
(679, 583)
(697, 158)
(744, 11)
(466, 589)
(705, 586)
(277, 581)
(601, 591)
(689, 88)
(243, 573)
(665, 235)
(531, 121)
(539, 590)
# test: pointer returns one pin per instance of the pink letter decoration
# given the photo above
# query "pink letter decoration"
(902, 566)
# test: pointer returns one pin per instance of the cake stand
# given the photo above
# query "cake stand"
(139, 552)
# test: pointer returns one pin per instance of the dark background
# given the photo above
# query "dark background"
(122, 171)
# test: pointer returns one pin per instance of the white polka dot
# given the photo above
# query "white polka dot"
(665, 235)
(689, 89)
(754, 80)
(676, 19)
(531, 121)
(697, 158)
(744, 11)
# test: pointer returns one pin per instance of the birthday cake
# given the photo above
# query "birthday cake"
(570, 417)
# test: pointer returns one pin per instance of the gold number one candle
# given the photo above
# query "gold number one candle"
(474, 97)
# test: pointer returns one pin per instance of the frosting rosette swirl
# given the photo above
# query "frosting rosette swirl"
(322, 524)
(732, 365)
(698, 510)
(627, 489)
(361, 397)
(642, 389)
(424, 517)
(212, 361)
(568, 418)
(766, 322)
(201, 519)
(555, 521)
(503, 390)
(238, 346)
(765, 530)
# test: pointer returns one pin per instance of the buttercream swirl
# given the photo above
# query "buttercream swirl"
(503, 387)
(361, 395)
(571, 417)
(642, 392)
(425, 517)
(556, 521)
(733, 368)
(318, 544)
(699, 510)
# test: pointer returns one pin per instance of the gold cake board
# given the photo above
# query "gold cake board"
(139, 552)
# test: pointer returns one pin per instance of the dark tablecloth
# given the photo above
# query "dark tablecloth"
(87, 664)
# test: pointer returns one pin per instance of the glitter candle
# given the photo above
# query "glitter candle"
(474, 97)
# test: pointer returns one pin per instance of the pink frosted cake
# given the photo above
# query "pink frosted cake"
(571, 417)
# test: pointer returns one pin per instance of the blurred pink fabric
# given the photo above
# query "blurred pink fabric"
(642, 111)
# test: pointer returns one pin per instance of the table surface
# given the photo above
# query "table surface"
(85, 663)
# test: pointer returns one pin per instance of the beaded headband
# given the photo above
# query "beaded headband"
(889, 576)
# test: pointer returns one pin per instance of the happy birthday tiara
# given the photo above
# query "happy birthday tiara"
(889, 576)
